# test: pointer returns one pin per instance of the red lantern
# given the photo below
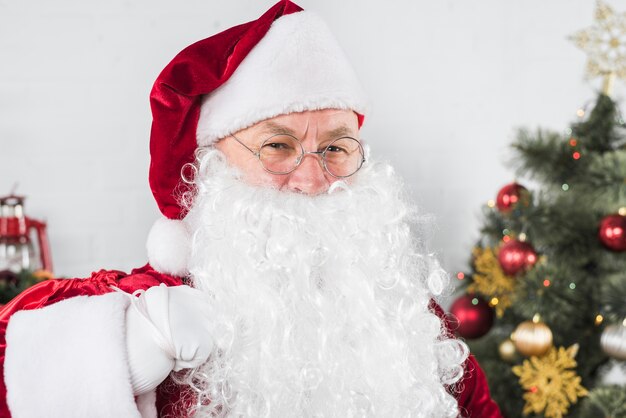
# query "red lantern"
(516, 256)
(473, 316)
(510, 196)
(612, 232)
(18, 252)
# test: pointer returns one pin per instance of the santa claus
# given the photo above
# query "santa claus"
(287, 277)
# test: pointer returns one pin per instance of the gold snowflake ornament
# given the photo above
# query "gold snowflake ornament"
(490, 281)
(605, 45)
(551, 383)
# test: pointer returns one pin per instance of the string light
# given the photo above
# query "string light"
(536, 318)
(565, 187)
(568, 131)
(494, 301)
(522, 236)
(576, 155)
(546, 282)
(580, 113)
(572, 285)
(599, 319)
(573, 142)
(475, 301)
(460, 275)
(491, 203)
(505, 232)
(622, 211)
(506, 238)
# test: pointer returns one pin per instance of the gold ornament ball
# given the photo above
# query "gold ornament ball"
(532, 338)
(507, 350)
(613, 341)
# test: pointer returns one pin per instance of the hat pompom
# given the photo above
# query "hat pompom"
(169, 246)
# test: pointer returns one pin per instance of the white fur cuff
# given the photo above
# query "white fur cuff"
(69, 360)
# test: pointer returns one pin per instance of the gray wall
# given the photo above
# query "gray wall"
(449, 81)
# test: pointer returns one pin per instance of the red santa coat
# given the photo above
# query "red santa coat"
(71, 361)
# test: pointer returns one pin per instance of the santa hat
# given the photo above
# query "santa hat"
(286, 61)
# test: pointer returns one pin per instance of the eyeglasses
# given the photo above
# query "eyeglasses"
(283, 153)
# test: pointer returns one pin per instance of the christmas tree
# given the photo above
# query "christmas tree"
(545, 303)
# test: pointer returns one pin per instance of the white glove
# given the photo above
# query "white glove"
(167, 328)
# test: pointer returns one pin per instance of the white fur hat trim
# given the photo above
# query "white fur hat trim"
(297, 66)
(169, 246)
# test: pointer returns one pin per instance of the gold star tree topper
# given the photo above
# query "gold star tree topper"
(605, 45)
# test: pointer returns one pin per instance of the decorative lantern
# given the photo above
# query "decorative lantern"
(17, 251)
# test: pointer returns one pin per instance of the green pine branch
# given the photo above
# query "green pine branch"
(606, 402)
(598, 133)
(544, 156)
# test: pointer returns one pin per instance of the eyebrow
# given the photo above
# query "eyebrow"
(276, 128)
(339, 132)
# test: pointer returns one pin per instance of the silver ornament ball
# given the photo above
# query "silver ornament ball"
(613, 341)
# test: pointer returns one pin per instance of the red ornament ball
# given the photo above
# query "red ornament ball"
(512, 195)
(612, 232)
(472, 315)
(516, 256)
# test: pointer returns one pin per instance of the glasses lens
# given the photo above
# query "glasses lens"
(343, 157)
(280, 154)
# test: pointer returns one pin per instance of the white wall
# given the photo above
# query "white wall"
(448, 79)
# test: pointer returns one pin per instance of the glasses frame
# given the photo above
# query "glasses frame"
(303, 153)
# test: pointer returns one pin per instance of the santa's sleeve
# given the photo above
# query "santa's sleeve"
(472, 392)
(63, 349)
(474, 398)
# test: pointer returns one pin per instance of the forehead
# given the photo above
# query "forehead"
(321, 121)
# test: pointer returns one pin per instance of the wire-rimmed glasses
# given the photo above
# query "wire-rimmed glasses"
(283, 153)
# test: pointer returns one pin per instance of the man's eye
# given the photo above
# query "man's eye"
(335, 148)
(277, 145)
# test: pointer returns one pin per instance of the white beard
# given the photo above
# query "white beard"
(321, 302)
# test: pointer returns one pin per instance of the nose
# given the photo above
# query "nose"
(309, 178)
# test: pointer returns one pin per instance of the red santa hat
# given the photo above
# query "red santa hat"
(286, 61)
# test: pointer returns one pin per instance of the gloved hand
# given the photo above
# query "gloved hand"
(167, 328)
